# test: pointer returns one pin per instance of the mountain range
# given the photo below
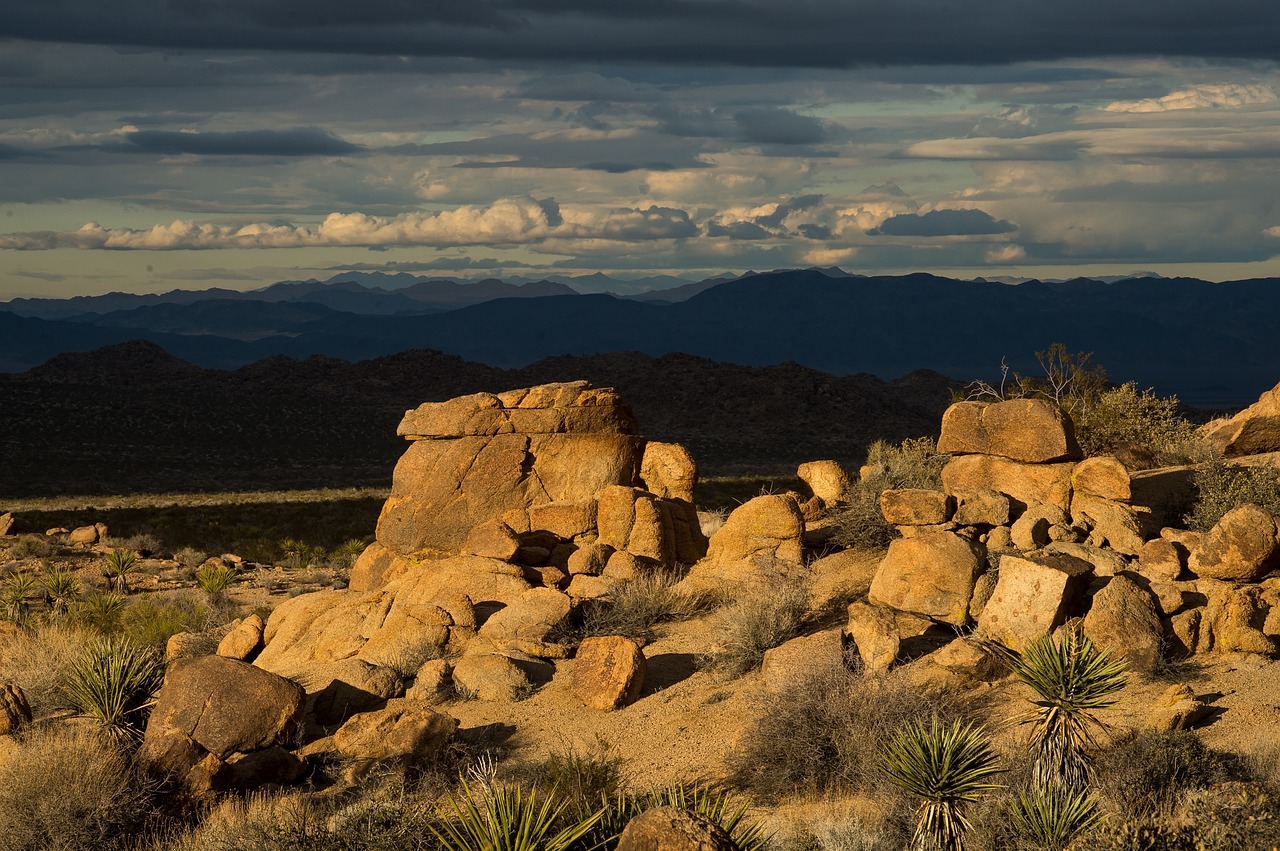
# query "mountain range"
(1212, 344)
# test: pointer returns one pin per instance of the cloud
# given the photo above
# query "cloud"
(943, 223)
(1215, 96)
(774, 126)
(1006, 254)
(298, 142)
(509, 221)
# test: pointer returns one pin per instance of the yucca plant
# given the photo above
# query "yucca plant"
(349, 550)
(215, 578)
(120, 563)
(112, 681)
(19, 591)
(61, 589)
(946, 768)
(1051, 820)
(1071, 679)
(103, 610)
(717, 807)
(502, 818)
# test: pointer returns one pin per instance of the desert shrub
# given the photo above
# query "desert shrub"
(346, 553)
(297, 554)
(37, 661)
(640, 605)
(143, 542)
(1051, 821)
(68, 788)
(1221, 487)
(823, 733)
(1224, 817)
(153, 619)
(33, 546)
(1147, 773)
(834, 825)
(103, 611)
(112, 682)
(758, 622)
(1125, 416)
(911, 464)
(946, 768)
(190, 557)
(583, 777)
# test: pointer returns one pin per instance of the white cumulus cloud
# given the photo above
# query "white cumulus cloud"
(1208, 96)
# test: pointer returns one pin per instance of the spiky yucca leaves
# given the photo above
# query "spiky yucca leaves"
(947, 768)
(1053, 819)
(113, 680)
(120, 563)
(61, 589)
(1072, 679)
(501, 818)
(215, 578)
(19, 591)
(102, 610)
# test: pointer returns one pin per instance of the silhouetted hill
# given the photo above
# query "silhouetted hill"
(132, 418)
(1212, 344)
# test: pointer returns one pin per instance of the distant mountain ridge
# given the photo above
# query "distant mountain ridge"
(1210, 343)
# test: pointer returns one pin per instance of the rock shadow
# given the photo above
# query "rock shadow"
(667, 669)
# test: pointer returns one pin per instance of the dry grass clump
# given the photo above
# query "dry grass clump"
(823, 734)
(639, 606)
(68, 788)
(911, 464)
(38, 660)
(754, 624)
(836, 824)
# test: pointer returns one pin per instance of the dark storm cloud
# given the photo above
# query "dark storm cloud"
(774, 126)
(738, 230)
(299, 142)
(942, 223)
(808, 33)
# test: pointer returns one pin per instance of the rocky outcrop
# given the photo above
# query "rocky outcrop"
(1029, 430)
(1253, 431)
(1123, 618)
(404, 733)
(1023, 483)
(760, 542)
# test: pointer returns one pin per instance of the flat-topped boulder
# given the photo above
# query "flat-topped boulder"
(931, 575)
(1023, 483)
(562, 408)
(1033, 596)
(1034, 431)
(1253, 431)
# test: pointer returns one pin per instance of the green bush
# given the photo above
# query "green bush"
(911, 464)
(758, 622)
(20, 592)
(1125, 416)
(103, 611)
(215, 578)
(1221, 487)
(153, 619)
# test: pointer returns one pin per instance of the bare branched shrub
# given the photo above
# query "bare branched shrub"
(911, 464)
(1221, 487)
(68, 788)
(824, 733)
(757, 622)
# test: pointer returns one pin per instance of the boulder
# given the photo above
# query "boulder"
(565, 519)
(219, 706)
(83, 536)
(1243, 546)
(1177, 709)
(184, 645)
(608, 672)
(827, 480)
(916, 506)
(6, 523)
(970, 659)
(1122, 526)
(273, 766)
(405, 732)
(1182, 634)
(1253, 431)
(590, 560)
(1034, 595)
(673, 829)
(1160, 560)
(1105, 562)
(1235, 620)
(338, 690)
(492, 539)
(669, 471)
(836, 579)
(433, 681)
(244, 640)
(1102, 476)
(561, 408)
(15, 711)
(1124, 620)
(759, 544)
(875, 633)
(931, 575)
(802, 658)
(1022, 483)
(982, 508)
(665, 531)
(1030, 430)
(530, 623)
(375, 567)
(491, 677)
(584, 587)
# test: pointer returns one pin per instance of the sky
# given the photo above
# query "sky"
(148, 145)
